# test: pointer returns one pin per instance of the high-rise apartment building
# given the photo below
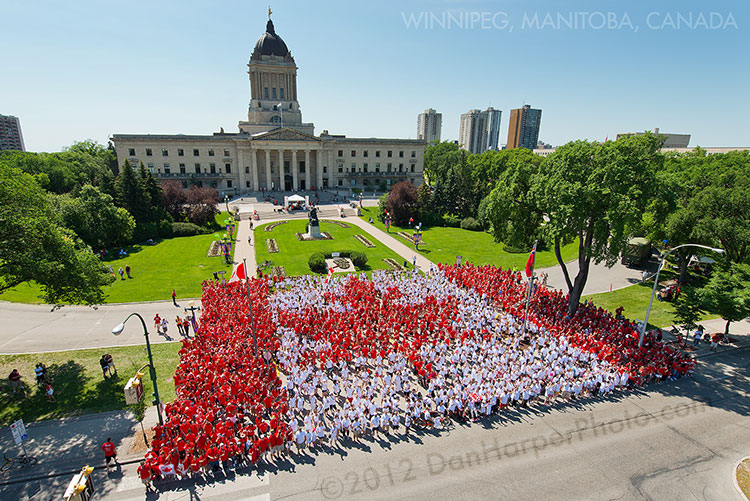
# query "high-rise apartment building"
(10, 133)
(493, 128)
(523, 128)
(429, 125)
(472, 135)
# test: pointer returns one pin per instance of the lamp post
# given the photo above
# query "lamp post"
(192, 311)
(656, 282)
(117, 331)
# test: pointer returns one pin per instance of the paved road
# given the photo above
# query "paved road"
(677, 440)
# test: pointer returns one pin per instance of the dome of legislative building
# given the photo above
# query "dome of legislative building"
(270, 44)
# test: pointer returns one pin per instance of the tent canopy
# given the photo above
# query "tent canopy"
(296, 198)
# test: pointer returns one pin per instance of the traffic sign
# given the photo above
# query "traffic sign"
(18, 429)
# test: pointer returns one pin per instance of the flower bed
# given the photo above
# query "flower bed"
(337, 223)
(271, 226)
(271, 245)
(364, 241)
(395, 265)
(303, 237)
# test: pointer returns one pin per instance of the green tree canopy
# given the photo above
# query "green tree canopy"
(728, 293)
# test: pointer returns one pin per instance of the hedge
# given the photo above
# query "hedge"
(187, 230)
(471, 224)
(452, 221)
(317, 262)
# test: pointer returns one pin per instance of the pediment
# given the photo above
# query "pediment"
(284, 134)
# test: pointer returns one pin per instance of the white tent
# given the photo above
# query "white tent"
(295, 198)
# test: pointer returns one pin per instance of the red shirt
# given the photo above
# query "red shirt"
(109, 449)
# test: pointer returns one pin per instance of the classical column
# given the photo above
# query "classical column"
(241, 169)
(254, 169)
(308, 167)
(295, 168)
(334, 173)
(282, 184)
(319, 169)
(268, 170)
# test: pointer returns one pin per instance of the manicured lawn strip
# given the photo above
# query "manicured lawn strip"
(634, 299)
(293, 254)
(443, 244)
(178, 263)
(743, 477)
(78, 382)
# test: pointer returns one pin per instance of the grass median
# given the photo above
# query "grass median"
(77, 380)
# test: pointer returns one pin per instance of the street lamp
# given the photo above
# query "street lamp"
(656, 282)
(117, 331)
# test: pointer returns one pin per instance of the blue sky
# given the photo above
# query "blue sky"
(76, 70)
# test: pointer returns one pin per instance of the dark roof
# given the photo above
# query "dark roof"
(270, 44)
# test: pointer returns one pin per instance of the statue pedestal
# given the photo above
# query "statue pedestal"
(313, 231)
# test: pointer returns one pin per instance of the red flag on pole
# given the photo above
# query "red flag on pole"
(530, 262)
(330, 272)
(239, 273)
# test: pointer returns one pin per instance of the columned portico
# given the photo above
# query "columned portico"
(307, 169)
(253, 170)
(241, 168)
(282, 185)
(318, 169)
(268, 169)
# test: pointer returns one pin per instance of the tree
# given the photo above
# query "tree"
(132, 194)
(595, 193)
(438, 158)
(139, 413)
(174, 198)
(35, 246)
(687, 308)
(402, 202)
(202, 204)
(728, 294)
(94, 217)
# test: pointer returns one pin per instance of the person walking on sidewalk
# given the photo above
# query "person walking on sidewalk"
(110, 452)
(174, 297)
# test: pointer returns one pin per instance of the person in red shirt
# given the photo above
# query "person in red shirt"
(110, 452)
(144, 472)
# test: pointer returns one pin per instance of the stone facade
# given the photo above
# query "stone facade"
(274, 150)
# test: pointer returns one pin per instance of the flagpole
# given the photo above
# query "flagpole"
(250, 302)
(528, 292)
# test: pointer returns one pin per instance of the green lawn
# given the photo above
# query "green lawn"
(443, 244)
(178, 263)
(634, 299)
(293, 254)
(78, 382)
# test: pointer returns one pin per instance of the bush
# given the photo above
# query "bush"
(515, 250)
(432, 219)
(471, 224)
(187, 230)
(145, 231)
(317, 262)
(452, 221)
(359, 258)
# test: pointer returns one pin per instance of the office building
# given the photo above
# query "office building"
(523, 127)
(493, 128)
(429, 125)
(10, 133)
(472, 135)
(670, 140)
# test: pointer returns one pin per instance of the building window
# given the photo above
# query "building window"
(226, 153)
(166, 168)
(273, 93)
(354, 153)
(180, 152)
(341, 168)
(131, 152)
(413, 154)
(247, 170)
(365, 168)
(341, 153)
(228, 168)
(281, 93)
(164, 152)
(212, 168)
(196, 153)
(182, 168)
(377, 154)
(389, 167)
(341, 182)
(265, 92)
(400, 154)
(302, 167)
(151, 168)
(148, 152)
(229, 183)
(354, 182)
(390, 153)
(247, 184)
(354, 167)
(197, 168)
(401, 167)
(377, 167)
(365, 154)
(325, 170)
(365, 182)
(210, 153)
(412, 167)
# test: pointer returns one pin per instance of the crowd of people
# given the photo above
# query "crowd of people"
(315, 364)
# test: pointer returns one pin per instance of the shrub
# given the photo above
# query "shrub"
(317, 262)
(187, 230)
(452, 221)
(471, 224)
(515, 250)
(432, 219)
(358, 258)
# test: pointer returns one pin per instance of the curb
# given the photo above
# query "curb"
(60, 474)
(734, 477)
